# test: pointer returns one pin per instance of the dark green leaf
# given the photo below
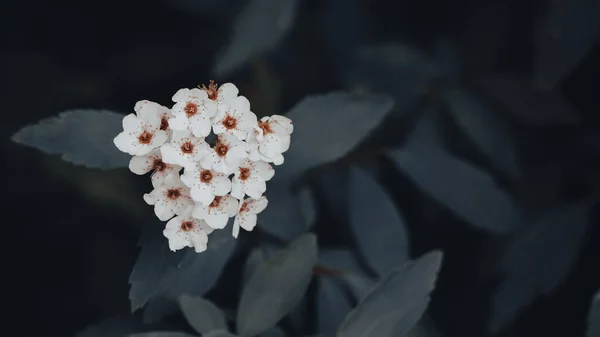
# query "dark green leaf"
(277, 286)
(469, 193)
(333, 304)
(377, 225)
(327, 127)
(593, 329)
(397, 302)
(82, 137)
(537, 260)
(257, 30)
(484, 127)
(201, 314)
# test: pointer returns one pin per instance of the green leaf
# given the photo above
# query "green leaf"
(260, 26)
(195, 275)
(489, 132)
(593, 329)
(202, 314)
(327, 127)
(162, 334)
(277, 286)
(397, 302)
(537, 260)
(377, 225)
(468, 192)
(81, 137)
(333, 305)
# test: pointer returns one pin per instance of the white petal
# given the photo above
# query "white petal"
(237, 189)
(179, 122)
(203, 193)
(200, 125)
(271, 145)
(264, 170)
(138, 149)
(131, 123)
(176, 241)
(209, 160)
(200, 211)
(160, 137)
(235, 155)
(235, 231)
(285, 143)
(230, 205)
(158, 178)
(141, 165)
(210, 108)
(258, 205)
(239, 106)
(240, 134)
(248, 221)
(218, 128)
(221, 184)
(199, 240)
(198, 94)
(222, 167)
(181, 95)
(124, 142)
(227, 91)
(254, 187)
(277, 160)
(284, 122)
(163, 212)
(216, 219)
(150, 198)
(169, 154)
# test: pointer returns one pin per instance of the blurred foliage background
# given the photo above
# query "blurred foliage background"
(72, 232)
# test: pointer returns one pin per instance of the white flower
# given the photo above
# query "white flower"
(270, 139)
(226, 155)
(218, 212)
(184, 149)
(141, 133)
(235, 117)
(186, 231)
(206, 184)
(246, 217)
(170, 198)
(192, 110)
(163, 113)
(153, 161)
(251, 179)
(223, 94)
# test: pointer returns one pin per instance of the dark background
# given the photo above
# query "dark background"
(72, 232)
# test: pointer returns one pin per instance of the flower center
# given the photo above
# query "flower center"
(187, 147)
(215, 202)
(173, 193)
(187, 226)
(159, 165)
(211, 91)
(191, 109)
(164, 123)
(244, 173)
(145, 137)
(244, 207)
(229, 122)
(205, 176)
(265, 126)
(221, 149)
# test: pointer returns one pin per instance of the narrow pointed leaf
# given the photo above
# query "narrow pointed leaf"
(276, 287)
(537, 260)
(260, 26)
(82, 137)
(397, 302)
(202, 314)
(468, 192)
(594, 317)
(154, 261)
(377, 225)
(327, 127)
(484, 127)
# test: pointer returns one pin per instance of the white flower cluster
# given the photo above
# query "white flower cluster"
(217, 177)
